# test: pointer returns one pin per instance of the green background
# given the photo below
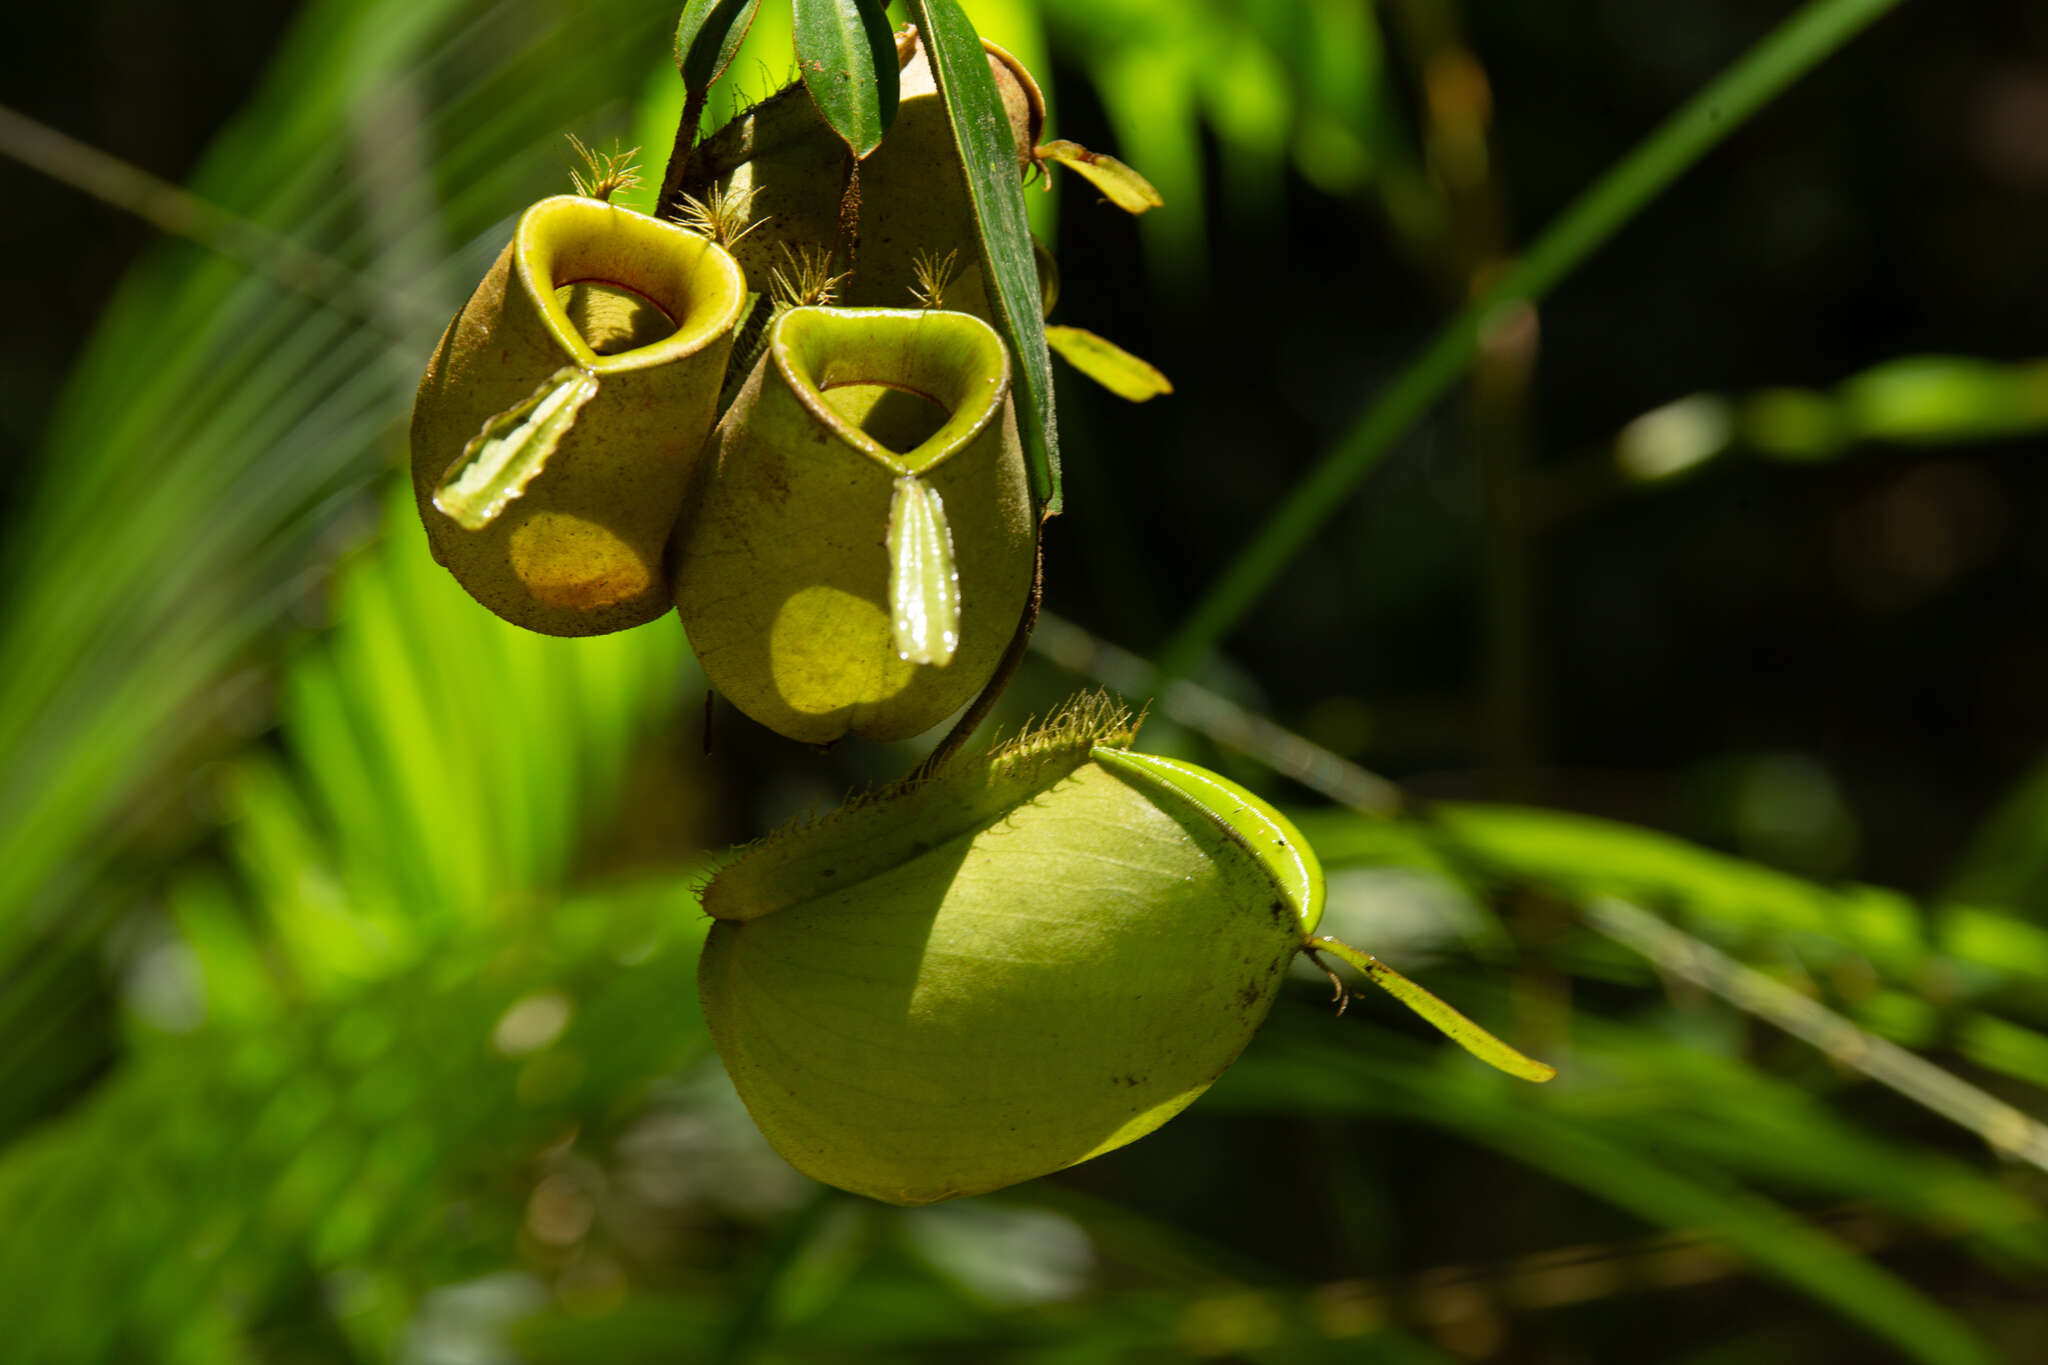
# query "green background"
(347, 937)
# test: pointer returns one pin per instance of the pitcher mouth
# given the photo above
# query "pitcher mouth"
(614, 318)
(903, 386)
(691, 285)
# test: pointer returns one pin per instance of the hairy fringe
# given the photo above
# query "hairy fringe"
(1051, 749)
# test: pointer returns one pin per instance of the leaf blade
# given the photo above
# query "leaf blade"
(981, 130)
(1127, 376)
(1441, 1015)
(1122, 185)
(847, 58)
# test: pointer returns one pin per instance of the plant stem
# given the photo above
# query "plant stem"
(668, 202)
(1778, 59)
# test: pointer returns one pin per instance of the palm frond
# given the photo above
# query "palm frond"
(220, 426)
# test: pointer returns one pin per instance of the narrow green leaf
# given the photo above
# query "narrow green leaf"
(1304, 1067)
(1781, 57)
(512, 449)
(847, 58)
(982, 131)
(708, 35)
(924, 584)
(1108, 364)
(2003, 1046)
(1446, 1020)
(1128, 190)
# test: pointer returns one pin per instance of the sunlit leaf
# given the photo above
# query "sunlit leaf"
(1445, 1019)
(1108, 364)
(847, 58)
(1124, 187)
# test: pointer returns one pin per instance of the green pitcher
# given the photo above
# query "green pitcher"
(1041, 954)
(865, 540)
(558, 427)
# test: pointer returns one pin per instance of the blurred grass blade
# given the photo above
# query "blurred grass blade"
(1775, 62)
(421, 704)
(440, 771)
(1151, 97)
(1216, 717)
(1108, 364)
(1297, 1067)
(513, 448)
(2005, 1047)
(2005, 1128)
(1943, 399)
(1857, 1288)
(2006, 860)
(847, 58)
(178, 212)
(924, 584)
(982, 131)
(1124, 187)
(1441, 1016)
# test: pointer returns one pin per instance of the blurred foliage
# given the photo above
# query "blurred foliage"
(347, 936)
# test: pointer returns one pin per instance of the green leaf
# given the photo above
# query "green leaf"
(1108, 364)
(1128, 190)
(512, 449)
(708, 35)
(2011, 1048)
(1441, 1015)
(982, 131)
(847, 58)
(924, 584)
(312, 1140)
